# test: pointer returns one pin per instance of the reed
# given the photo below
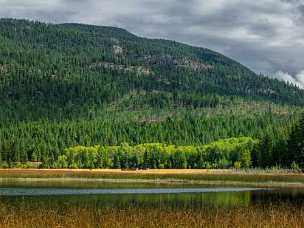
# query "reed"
(253, 216)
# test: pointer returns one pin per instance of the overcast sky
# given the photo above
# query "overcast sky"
(265, 35)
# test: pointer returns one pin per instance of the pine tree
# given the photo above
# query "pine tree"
(266, 146)
(116, 161)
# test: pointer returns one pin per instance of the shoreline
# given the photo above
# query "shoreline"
(235, 178)
(165, 182)
(248, 172)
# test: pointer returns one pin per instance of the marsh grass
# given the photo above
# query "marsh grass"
(283, 215)
(251, 178)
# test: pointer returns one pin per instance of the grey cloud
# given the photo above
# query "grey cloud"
(300, 8)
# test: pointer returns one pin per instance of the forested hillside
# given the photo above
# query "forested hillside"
(70, 84)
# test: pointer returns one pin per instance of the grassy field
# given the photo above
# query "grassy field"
(252, 216)
(253, 178)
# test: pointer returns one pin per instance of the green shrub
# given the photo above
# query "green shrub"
(4, 165)
(295, 166)
(237, 165)
(62, 162)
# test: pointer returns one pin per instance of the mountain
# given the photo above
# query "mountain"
(63, 85)
(52, 70)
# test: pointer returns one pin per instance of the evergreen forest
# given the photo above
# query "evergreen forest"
(83, 96)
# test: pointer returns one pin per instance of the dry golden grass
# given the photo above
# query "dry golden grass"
(160, 172)
(252, 216)
(251, 178)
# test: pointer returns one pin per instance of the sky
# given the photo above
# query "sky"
(265, 35)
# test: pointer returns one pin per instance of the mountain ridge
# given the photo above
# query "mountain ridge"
(55, 66)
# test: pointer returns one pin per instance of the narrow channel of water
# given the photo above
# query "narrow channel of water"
(16, 191)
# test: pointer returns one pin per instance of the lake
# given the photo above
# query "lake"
(79, 204)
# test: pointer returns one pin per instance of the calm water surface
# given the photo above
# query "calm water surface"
(118, 195)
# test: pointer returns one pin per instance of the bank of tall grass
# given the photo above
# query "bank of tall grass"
(275, 215)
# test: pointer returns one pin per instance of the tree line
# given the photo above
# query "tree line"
(243, 152)
(234, 152)
(45, 140)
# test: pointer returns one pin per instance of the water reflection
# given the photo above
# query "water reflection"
(139, 196)
(169, 201)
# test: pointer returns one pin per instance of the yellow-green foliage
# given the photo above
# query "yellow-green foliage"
(220, 154)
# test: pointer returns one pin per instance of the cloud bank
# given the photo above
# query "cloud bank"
(265, 35)
(297, 80)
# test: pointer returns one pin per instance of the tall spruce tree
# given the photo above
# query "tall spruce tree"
(296, 144)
